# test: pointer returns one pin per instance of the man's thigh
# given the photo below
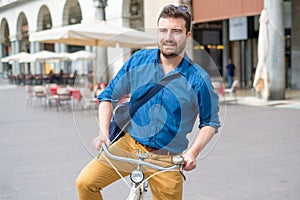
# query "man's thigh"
(103, 170)
(98, 174)
(166, 185)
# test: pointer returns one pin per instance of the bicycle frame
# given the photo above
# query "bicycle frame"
(138, 181)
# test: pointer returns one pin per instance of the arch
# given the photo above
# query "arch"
(72, 12)
(6, 44)
(133, 13)
(72, 15)
(22, 32)
(4, 37)
(4, 31)
(44, 20)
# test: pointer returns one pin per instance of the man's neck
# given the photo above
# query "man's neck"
(169, 64)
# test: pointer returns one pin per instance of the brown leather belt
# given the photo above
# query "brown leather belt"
(157, 151)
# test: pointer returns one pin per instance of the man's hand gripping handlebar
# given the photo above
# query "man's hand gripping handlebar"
(177, 161)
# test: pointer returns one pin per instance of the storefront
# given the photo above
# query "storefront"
(234, 27)
(228, 29)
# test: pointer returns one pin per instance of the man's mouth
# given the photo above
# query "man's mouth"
(169, 44)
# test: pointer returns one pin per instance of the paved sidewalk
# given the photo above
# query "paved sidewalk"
(254, 156)
(246, 97)
(4, 84)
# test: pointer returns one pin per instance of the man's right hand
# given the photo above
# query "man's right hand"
(98, 141)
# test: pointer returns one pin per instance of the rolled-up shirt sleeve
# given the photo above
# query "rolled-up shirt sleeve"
(118, 86)
(208, 102)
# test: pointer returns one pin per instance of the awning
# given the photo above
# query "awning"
(213, 10)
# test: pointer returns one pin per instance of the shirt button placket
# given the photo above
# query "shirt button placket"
(158, 109)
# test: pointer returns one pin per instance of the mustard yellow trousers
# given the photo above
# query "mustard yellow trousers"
(99, 173)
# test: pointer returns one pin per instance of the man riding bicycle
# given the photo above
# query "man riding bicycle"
(160, 126)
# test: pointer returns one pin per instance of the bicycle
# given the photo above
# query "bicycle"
(138, 181)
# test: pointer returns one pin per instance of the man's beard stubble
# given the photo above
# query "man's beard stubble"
(173, 54)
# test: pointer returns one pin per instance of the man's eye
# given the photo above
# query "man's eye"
(163, 30)
(177, 31)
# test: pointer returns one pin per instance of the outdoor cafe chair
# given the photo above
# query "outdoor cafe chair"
(88, 101)
(51, 99)
(40, 95)
(30, 95)
(64, 98)
(232, 89)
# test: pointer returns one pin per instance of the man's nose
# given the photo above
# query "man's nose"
(169, 34)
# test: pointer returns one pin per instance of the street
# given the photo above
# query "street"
(43, 150)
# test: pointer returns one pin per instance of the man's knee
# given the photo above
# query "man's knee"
(86, 189)
(80, 183)
(85, 184)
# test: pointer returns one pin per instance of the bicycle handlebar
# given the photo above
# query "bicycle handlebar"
(137, 161)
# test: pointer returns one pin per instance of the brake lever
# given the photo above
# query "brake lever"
(181, 172)
(179, 160)
(100, 152)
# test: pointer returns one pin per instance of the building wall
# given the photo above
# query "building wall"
(116, 12)
(152, 10)
(31, 10)
(295, 42)
(56, 8)
(213, 10)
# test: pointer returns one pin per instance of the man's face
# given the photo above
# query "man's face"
(172, 36)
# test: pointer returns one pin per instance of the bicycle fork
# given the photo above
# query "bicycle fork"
(137, 191)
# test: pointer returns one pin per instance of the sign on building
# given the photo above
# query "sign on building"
(238, 28)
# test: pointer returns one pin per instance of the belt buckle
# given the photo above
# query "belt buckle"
(152, 150)
(162, 152)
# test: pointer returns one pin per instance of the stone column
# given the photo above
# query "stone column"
(38, 65)
(18, 50)
(295, 42)
(101, 68)
(63, 65)
(13, 67)
(248, 63)
(15, 49)
(57, 66)
(1, 56)
(32, 64)
(88, 64)
(275, 60)
(225, 39)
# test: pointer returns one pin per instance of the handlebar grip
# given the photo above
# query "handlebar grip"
(178, 160)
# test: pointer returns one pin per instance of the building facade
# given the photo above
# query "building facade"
(19, 18)
(234, 25)
(223, 28)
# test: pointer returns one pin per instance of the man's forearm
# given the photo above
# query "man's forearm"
(204, 136)
(105, 114)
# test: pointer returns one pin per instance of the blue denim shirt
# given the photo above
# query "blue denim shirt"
(164, 121)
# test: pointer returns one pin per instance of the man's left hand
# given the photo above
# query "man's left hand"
(189, 162)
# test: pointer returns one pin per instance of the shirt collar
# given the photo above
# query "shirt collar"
(181, 68)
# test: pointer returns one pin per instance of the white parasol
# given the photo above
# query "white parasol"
(15, 57)
(261, 79)
(95, 33)
(82, 55)
(80, 59)
(45, 56)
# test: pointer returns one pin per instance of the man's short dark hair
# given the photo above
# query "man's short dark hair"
(181, 11)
